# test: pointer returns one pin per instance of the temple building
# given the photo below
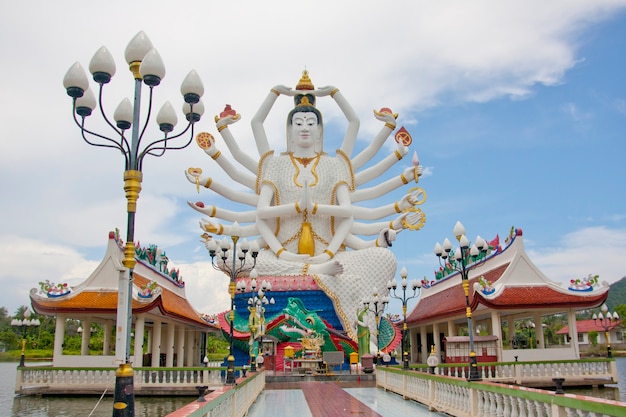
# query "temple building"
(509, 299)
(166, 329)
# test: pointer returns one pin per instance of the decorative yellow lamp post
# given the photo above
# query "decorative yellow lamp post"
(147, 67)
(25, 323)
(377, 305)
(465, 259)
(233, 263)
(606, 320)
(417, 289)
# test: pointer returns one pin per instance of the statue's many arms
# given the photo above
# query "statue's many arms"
(303, 211)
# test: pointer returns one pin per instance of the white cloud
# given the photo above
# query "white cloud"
(593, 250)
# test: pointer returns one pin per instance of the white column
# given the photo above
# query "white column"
(106, 344)
(424, 339)
(180, 346)
(539, 332)
(59, 335)
(573, 331)
(140, 325)
(496, 330)
(511, 326)
(451, 328)
(189, 347)
(84, 340)
(436, 337)
(169, 345)
(156, 343)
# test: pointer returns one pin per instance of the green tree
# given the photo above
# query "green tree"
(593, 337)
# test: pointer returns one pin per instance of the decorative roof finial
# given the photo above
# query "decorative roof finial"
(305, 82)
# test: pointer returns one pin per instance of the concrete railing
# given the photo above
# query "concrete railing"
(461, 398)
(540, 373)
(49, 380)
(226, 401)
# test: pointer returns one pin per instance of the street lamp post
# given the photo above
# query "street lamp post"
(24, 324)
(227, 263)
(377, 305)
(256, 306)
(417, 289)
(147, 67)
(606, 320)
(465, 258)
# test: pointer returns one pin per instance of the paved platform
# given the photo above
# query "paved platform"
(333, 399)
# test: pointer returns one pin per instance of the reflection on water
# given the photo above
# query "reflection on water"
(32, 406)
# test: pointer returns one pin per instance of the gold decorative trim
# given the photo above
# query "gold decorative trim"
(340, 313)
(222, 127)
(390, 126)
(260, 169)
(275, 91)
(216, 155)
(398, 155)
(281, 250)
(403, 178)
(346, 159)
(396, 207)
(314, 211)
(208, 182)
(297, 207)
(332, 93)
(329, 253)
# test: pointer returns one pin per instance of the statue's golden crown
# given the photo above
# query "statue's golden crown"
(305, 82)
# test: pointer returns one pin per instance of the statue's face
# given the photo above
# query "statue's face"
(305, 129)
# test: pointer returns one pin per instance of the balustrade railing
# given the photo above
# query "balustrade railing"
(37, 380)
(541, 373)
(461, 398)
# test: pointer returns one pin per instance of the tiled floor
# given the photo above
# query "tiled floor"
(331, 399)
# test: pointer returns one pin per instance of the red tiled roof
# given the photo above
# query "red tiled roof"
(449, 302)
(586, 326)
(538, 297)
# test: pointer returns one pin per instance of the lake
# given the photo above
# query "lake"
(33, 406)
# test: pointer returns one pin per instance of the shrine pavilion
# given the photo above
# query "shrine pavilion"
(506, 292)
(167, 330)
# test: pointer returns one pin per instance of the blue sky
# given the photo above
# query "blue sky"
(517, 112)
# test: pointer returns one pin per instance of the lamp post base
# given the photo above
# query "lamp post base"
(124, 396)
(474, 375)
(252, 363)
(230, 371)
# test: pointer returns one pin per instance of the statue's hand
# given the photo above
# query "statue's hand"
(385, 117)
(409, 173)
(410, 217)
(283, 89)
(209, 226)
(227, 120)
(385, 237)
(294, 257)
(403, 150)
(194, 178)
(323, 91)
(416, 196)
(306, 201)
